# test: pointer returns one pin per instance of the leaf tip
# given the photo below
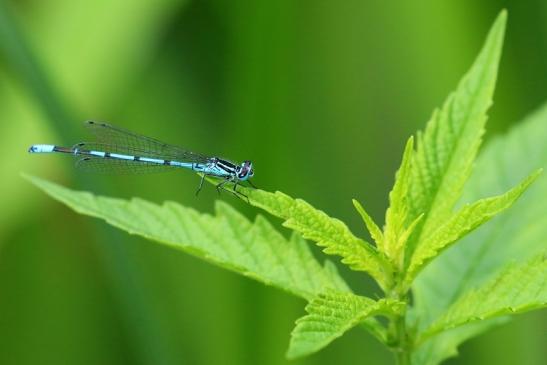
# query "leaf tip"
(34, 180)
(531, 178)
(500, 23)
(410, 142)
(502, 16)
(501, 19)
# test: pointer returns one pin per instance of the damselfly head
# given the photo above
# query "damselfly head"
(246, 171)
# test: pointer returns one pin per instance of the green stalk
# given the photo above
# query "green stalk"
(400, 340)
(402, 351)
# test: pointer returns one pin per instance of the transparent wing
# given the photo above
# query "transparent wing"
(116, 166)
(123, 139)
(112, 166)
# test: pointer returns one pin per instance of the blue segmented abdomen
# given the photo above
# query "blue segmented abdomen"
(48, 148)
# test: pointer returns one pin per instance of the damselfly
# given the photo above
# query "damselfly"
(117, 150)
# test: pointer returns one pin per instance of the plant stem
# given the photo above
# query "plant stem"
(402, 351)
(398, 332)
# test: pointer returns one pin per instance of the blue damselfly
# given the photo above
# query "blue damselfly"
(117, 150)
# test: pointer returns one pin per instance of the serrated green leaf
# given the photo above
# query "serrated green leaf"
(227, 238)
(375, 231)
(396, 215)
(327, 232)
(448, 146)
(516, 234)
(330, 315)
(461, 223)
(518, 289)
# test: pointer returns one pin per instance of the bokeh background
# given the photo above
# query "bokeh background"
(321, 95)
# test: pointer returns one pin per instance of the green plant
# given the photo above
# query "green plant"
(424, 218)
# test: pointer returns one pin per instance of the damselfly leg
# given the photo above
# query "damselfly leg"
(221, 186)
(200, 184)
(238, 193)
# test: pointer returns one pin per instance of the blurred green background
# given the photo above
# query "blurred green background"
(321, 95)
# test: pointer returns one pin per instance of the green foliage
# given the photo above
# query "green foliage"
(516, 234)
(461, 223)
(421, 222)
(227, 238)
(330, 315)
(517, 289)
(372, 227)
(328, 232)
(396, 233)
(448, 146)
